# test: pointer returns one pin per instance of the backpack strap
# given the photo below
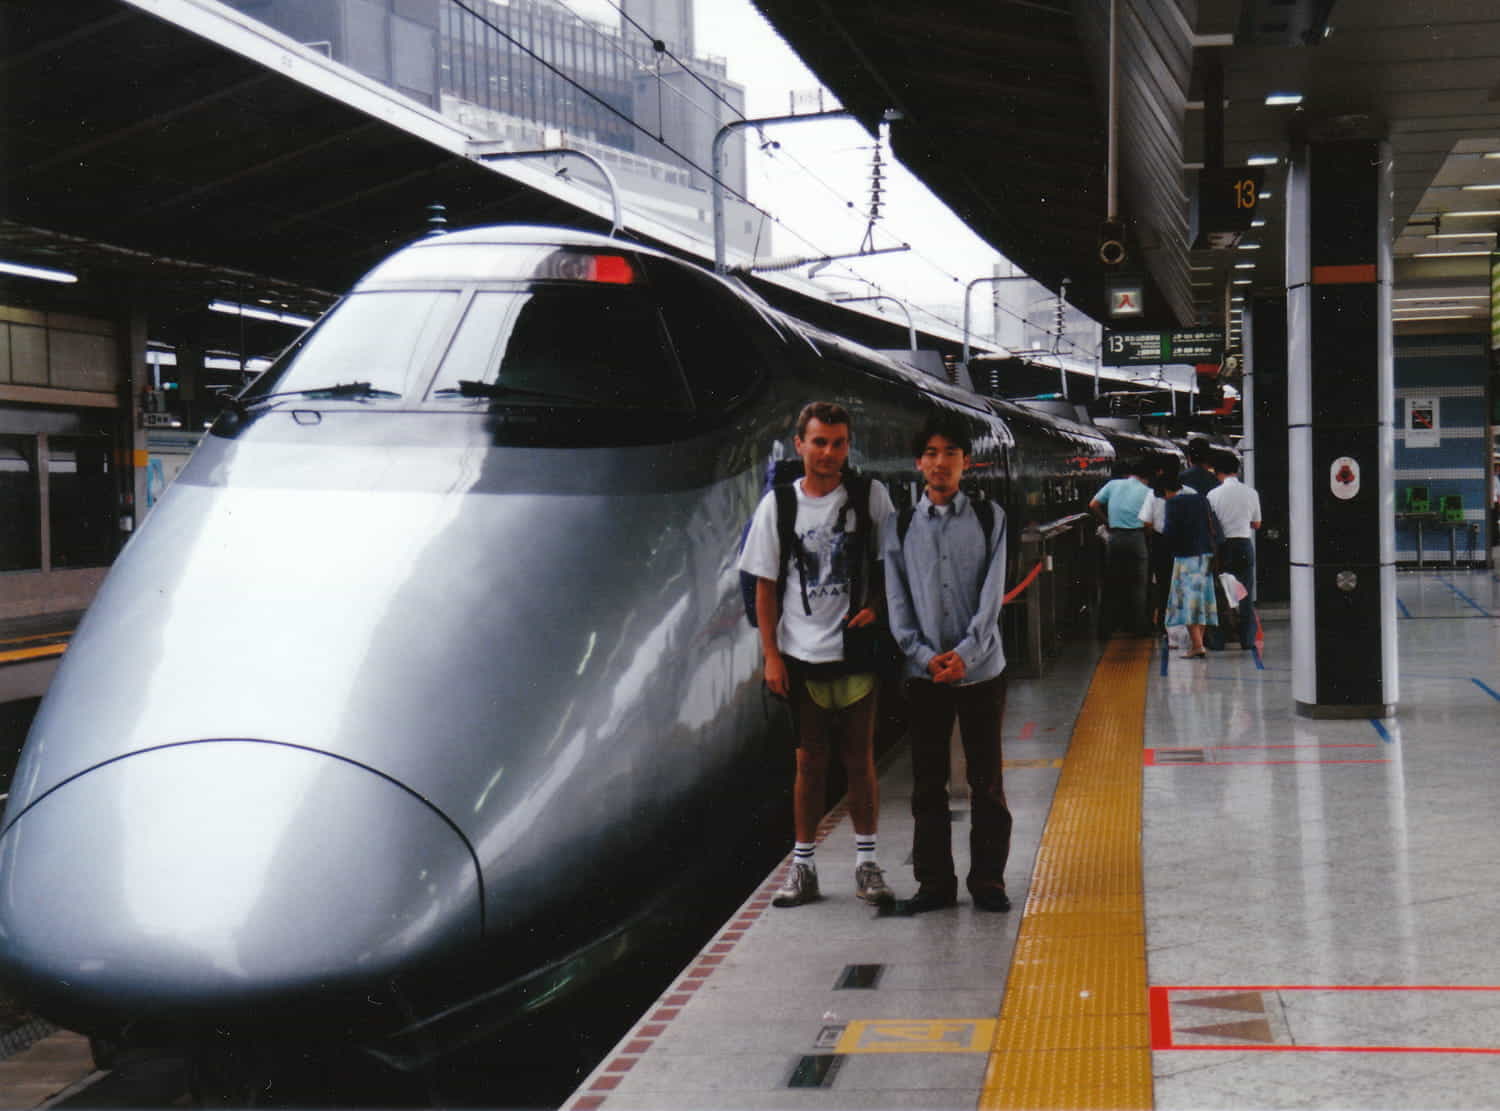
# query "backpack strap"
(787, 543)
(984, 510)
(903, 523)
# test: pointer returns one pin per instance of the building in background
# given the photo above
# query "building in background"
(517, 70)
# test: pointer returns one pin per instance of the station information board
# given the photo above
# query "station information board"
(1201, 345)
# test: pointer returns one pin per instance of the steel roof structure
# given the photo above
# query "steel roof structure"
(1003, 107)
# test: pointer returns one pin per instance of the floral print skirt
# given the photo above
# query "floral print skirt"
(1191, 600)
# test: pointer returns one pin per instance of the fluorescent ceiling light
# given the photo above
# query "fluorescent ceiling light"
(1274, 100)
(1450, 254)
(1257, 223)
(1244, 266)
(1481, 188)
(1476, 212)
(1264, 196)
(1492, 154)
(259, 314)
(1244, 281)
(1444, 316)
(1248, 246)
(42, 272)
(1450, 297)
(1459, 234)
(1262, 160)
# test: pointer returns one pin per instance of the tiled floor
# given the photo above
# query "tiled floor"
(1320, 902)
(1303, 861)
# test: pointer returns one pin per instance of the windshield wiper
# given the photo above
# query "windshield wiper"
(498, 390)
(319, 393)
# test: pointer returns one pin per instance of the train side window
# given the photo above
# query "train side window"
(562, 345)
(722, 343)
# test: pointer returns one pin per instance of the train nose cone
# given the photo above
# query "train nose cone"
(206, 877)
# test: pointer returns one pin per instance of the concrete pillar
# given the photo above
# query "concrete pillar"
(1339, 405)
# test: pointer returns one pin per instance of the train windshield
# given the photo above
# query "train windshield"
(384, 340)
(573, 345)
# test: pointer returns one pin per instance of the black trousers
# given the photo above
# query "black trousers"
(1125, 581)
(1237, 556)
(980, 711)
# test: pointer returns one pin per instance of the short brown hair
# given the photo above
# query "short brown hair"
(829, 412)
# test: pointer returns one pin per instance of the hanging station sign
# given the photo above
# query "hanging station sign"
(1194, 346)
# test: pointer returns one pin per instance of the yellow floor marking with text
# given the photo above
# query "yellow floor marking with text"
(917, 1035)
(1074, 1030)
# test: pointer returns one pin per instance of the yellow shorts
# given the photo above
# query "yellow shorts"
(839, 693)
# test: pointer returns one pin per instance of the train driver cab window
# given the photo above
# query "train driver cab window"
(383, 338)
(570, 345)
(721, 341)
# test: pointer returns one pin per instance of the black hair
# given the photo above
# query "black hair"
(1227, 462)
(1197, 449)
(947, 425)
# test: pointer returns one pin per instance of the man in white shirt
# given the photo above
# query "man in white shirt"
(1237, 509)
(801, 612)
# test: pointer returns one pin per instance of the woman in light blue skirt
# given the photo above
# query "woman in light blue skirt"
(1190, 537)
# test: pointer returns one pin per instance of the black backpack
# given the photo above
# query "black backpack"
(781, 476)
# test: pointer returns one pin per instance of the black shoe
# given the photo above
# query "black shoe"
(926, 898)
(992, 899)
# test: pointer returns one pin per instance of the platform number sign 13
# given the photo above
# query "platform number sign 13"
(1225, 205)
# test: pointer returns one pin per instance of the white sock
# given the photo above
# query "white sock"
(802, 853)
(864, 849)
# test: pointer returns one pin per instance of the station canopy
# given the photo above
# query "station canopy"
(1001, 108)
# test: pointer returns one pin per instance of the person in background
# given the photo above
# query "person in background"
(802, 642)
(1236, 508)
(1199, 475)
(1117, 506)
(1158, 556)
(944, 582)
(1189, 533)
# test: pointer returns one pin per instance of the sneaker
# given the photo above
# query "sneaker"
(869, 884)
(801, 886)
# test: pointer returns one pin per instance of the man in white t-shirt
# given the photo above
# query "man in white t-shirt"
(801, 635)
(1237, 509)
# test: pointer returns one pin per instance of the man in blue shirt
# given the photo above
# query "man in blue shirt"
(1117, 505)
(945, 580)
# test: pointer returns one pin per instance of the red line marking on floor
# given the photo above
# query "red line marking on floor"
(622, 1064)
(676, 1000)
(588, 1103)
(1162, 1036)
(690, 985)
(1027, 731)
(666, 1014)
(605, 1084)
(638, 1046)
(1161, 1018)
(722, 947)
(651, 1031)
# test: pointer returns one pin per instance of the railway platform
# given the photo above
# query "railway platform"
(1218, 904)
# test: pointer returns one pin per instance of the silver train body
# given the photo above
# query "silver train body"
(391, 712)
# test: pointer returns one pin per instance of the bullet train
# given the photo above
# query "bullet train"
(428, 677)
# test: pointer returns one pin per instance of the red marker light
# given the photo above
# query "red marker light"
(612, 270)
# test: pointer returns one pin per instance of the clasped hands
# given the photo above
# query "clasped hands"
(947, 667)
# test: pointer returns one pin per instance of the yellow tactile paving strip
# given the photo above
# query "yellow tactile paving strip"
(1075, 1030)
(20, 649)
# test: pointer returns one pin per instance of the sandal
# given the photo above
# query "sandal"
(1194, 655)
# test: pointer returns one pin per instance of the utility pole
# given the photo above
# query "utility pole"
(717, 168)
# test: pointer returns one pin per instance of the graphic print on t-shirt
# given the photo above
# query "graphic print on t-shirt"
(827, 554)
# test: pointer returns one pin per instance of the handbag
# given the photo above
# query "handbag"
(872, 648)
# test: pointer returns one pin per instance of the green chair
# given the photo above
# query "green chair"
(1417, 500)
(1451, 508)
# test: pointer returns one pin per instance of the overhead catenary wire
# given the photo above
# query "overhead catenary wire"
(462, 5)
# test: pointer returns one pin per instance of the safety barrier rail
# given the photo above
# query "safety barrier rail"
(1059, 594)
